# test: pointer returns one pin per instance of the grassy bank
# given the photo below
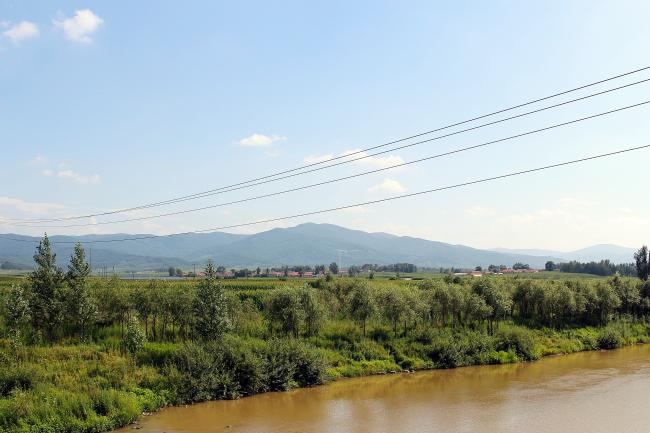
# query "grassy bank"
(97, 387)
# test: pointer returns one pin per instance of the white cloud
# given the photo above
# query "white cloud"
(480, 212)
(29, 207)
(315, 159)
(38, 160)
(76, 177)
(575, 202)
(374, 161)
(72, 175)
(22, 31)
(79, 27)
(64, 171)
(260, 140)
(388, 185)
(359, 158)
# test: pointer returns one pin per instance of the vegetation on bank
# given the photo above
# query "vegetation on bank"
(83, 355)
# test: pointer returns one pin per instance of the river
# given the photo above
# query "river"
(590, 392)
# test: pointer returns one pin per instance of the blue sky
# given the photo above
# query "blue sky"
(106, 105)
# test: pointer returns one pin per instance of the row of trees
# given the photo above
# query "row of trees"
(55, 304)
(603, 268)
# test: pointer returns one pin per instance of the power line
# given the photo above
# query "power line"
(366, 203)
(234, 186)
(339, 179)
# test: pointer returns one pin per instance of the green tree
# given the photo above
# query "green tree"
(113, 303)
(496, 297)
(285, 309)
(313, 311)
(641, 259)
(80, 306)
(47, 286)
(398, 305)
(210, 307)
(362, 305)
(549, 266)
(17, 312)
(141, 302)
(135, 337)
(334, 268)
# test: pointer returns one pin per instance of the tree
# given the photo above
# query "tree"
(210, 307)
(135, 337)
(334, 268)
(549, 266)
(171, 271)
(496, 297)
(80, 306)
(142, 304)
(113, 302)
(520, 265)
(312, 310)
(286, 310)
(641, 259)
(362, 305)
(47, 284)
(17, 312)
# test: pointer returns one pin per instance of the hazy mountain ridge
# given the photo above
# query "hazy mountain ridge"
(595, 253)
(303, 244)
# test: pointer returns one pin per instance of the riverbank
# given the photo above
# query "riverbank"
(83, 388)
(594, 391)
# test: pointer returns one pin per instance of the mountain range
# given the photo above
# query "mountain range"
(303, 244)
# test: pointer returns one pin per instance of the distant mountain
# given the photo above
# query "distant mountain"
(595, 253)
(302, 244)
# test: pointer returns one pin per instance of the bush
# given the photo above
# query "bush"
(19, 377)
(610, 338)
(446, 355)
(290, 363)
(157, 354)
(380, 334)
(521, 341)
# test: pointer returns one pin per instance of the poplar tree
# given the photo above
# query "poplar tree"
(17, 312)
(210, 307)
(641, 259)
(47, 286)
(80, 305)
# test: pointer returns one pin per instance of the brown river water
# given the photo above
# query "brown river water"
(592, 392)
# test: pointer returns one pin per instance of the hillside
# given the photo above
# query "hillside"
(303, 244)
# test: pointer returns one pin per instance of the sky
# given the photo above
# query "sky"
(109, 105)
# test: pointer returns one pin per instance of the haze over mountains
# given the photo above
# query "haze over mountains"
(303, 244)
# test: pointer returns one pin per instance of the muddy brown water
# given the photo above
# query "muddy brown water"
(590, 392)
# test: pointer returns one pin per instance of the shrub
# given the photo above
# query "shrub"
(20, 377)
(446, 355)
(519, 340)
(610, 338)
(380, 334)
(157, 354)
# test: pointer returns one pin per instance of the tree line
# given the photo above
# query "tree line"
(55, 304)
